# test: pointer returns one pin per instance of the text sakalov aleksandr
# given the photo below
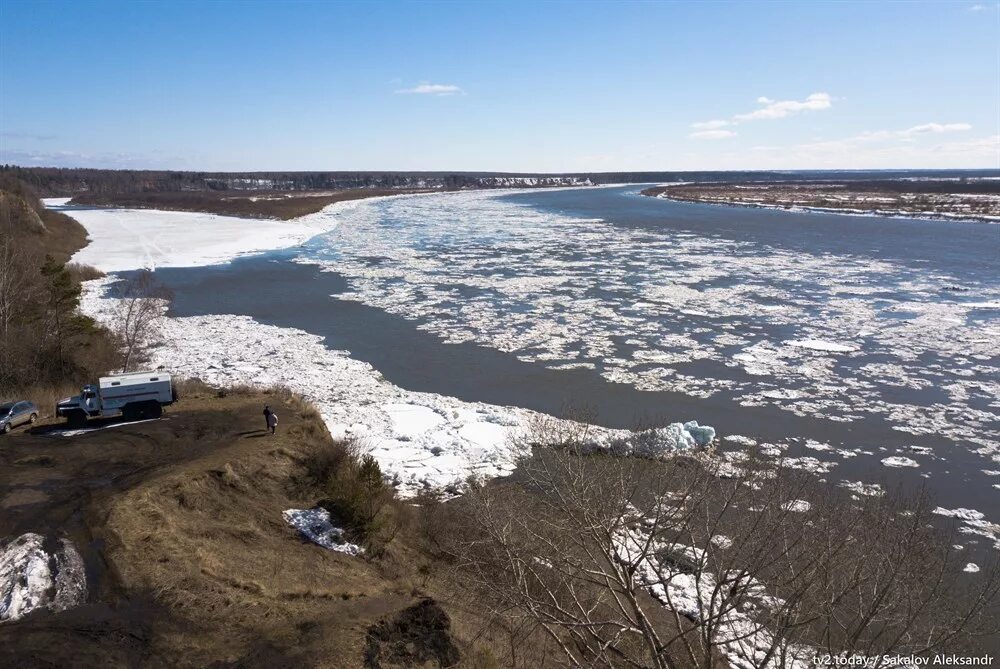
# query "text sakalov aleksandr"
(862, 661)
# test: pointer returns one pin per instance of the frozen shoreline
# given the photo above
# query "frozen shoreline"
(129, 239)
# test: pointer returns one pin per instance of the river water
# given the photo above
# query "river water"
(867, 345)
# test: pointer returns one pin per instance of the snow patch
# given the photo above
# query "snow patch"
(32, 578)
(315, 525)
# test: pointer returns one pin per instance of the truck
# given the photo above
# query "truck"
(133, 396)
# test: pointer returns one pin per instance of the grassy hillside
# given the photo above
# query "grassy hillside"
(193, 563)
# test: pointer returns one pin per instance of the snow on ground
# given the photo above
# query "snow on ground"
(123, 239)
(315, 525)
(32, 577)
(75, 432)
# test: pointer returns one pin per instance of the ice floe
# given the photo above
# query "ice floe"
(694, 593)
(34, 575)
(560, 290)
(820, 345)
(797, 505)
(961, 514)
(864, 489)
(899, 461)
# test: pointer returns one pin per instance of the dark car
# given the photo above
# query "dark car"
(13, 414)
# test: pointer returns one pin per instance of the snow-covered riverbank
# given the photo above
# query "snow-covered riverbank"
(124, 239)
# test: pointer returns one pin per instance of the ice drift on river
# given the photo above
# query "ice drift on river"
(33, 578)
(421, 440)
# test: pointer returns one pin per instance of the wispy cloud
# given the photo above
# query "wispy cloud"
(773, 109)
(712, 134)
(934, 128)
(978, 8)
(710, 125)
(431, 89)
(770, 109)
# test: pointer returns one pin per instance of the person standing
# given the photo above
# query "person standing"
(267, 417)
(272, 421)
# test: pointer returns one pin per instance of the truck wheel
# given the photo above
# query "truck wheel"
(5, 429)
(155, 410)
(130, 413)
(76, 419)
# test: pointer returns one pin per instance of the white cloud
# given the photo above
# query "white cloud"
(710, 125)
(713, 134)
(431, 89)
(934, 128)
(771, 109)
(977, 8)
(781, 108)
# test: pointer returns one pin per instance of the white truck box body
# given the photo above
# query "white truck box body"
(121, 389)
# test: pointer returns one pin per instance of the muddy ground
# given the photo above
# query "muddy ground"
(189, 562)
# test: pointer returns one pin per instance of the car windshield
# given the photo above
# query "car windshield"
(5, 408)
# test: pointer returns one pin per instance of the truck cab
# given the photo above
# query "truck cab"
(134, 396)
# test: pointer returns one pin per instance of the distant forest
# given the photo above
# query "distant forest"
(51, 181)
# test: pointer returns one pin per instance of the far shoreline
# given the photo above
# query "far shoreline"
(266, 205)
(724, 194)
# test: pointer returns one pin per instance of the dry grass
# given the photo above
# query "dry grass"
(44, 396)
(209, 541)
(81, 272)
(186, 515)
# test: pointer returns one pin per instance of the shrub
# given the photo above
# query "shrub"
(353, 490)
(358, 497)
(81, 272)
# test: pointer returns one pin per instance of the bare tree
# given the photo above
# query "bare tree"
(15, 279)
(624, 562)
(141, 301)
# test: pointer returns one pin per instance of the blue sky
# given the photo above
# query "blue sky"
(576, 86)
